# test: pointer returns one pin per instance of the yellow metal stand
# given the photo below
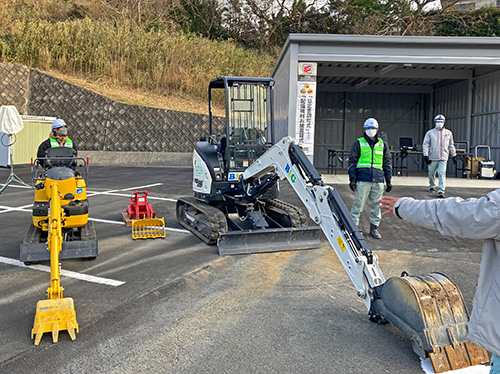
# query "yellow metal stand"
(148, 228)
(56, 313)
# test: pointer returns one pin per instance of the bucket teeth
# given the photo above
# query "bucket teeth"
(55, 332)
(53, 316)
(477, 354)
(430, 310)
(453, 358)
(72, 329)
(439, 361)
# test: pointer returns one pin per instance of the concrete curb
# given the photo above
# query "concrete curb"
(422, 181)
(137, 159)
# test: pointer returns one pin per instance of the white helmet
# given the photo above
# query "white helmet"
(439, 118)
(370, 123)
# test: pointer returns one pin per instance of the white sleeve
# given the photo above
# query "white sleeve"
(452, 150)
(471, 218)
(425, 144)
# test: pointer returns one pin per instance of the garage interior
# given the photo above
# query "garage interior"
(403, 82)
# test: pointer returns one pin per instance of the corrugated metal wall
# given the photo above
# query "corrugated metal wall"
(399, 115)
(28, 140)
(281, 94)
(452, 102)
(486, 115)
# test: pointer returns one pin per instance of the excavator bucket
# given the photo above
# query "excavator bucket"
(54, 315)
(148, 228)
(268, 240)
(430, 310)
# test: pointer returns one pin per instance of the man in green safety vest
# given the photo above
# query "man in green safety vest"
(369, 165)
(58, 138)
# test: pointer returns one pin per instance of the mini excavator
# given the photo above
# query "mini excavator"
(429, 309)
(219, 213)
(60, 228)
(79, 237)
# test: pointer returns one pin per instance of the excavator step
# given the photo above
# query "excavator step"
(269, 240)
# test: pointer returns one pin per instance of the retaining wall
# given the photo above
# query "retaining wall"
(98, 124)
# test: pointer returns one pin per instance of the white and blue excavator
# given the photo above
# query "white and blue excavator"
(220, 213)
(236, 179)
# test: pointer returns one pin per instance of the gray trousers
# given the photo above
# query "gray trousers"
(365, 191)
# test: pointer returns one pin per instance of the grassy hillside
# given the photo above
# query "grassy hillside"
(112, 55)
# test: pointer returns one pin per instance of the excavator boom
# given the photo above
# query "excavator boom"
(428, 309)
(56, 313)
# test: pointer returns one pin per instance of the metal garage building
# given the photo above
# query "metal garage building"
(402, 81)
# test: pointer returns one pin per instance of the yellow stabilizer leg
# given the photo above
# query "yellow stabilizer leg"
(53, 316)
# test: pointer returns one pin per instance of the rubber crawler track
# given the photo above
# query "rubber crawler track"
(214, 216)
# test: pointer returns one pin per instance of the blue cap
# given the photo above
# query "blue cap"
(57, 123)
(370, 123)
(439, 118)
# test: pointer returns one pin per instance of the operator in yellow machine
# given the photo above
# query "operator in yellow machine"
(58, 138)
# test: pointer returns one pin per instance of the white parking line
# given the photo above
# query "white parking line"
(5, 209)
(122, 223)
(15, 185)
(123, 189)
(15, 209)
(66, 273)
(125, 195)
(106, 221)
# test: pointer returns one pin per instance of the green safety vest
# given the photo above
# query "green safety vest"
(54, 144)
(371, 158)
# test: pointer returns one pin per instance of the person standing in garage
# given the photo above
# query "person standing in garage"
(369, 165)
(437, 147)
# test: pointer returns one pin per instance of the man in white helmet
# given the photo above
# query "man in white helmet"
(369, 165)
(437, 147)
(58, 138)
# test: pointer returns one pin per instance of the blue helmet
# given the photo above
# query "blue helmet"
(370, 123)
(57, 123)
(439, 118)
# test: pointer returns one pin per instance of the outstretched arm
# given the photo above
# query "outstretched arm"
(471, 218)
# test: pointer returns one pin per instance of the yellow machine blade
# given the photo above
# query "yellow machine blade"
(53, 316)
(148, 228)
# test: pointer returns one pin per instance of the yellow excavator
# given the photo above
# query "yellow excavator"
(79, 238)
(60, 229)
(57, 313)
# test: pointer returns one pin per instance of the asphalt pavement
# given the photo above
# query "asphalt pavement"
(184, 309)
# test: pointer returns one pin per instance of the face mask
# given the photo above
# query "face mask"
(63, 131)
(371, 132)
(439, 125)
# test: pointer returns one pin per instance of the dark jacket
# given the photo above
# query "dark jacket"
(46, 145)
(369, 174)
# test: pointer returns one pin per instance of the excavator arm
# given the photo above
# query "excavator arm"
(429, 309)
(325, 207)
